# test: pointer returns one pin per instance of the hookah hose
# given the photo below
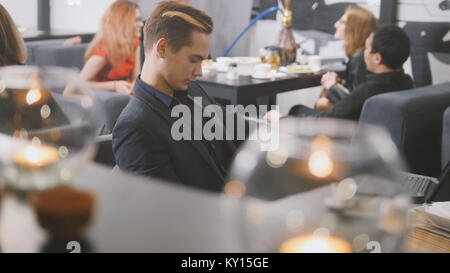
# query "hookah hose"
(272, 9)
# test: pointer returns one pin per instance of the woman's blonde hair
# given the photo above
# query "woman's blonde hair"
(117, 32)
(12, 46)
(360, 23)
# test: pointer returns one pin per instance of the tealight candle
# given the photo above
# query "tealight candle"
(36, 156)
(315, 244)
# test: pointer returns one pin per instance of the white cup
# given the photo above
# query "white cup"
(246, 65)
(315, 62)
(223, 63)
(263, 69)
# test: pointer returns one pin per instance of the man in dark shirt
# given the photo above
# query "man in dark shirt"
(386, 51)
(176, 40)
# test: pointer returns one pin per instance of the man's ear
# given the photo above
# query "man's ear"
(162, 47)
(378, 58)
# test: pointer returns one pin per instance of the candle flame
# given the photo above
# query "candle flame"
(36, 156)
(315, 244)
(320, 164)
(33, 95)
(33, 155)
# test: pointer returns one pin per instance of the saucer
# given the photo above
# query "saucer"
(267, 76)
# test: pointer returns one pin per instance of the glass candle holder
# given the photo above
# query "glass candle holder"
(324, 187)
(45, 137)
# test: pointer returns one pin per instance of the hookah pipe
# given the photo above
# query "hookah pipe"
(286, 21)
(286, 40)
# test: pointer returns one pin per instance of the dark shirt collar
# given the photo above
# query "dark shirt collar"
(385, 76)
(165, 99)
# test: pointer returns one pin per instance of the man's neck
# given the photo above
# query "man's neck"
(151, 76)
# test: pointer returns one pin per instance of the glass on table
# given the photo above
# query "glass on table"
(44, 136)
(272, 56)
(323, 187)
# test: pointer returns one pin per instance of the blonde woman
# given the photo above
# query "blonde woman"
(112, 59)
(354, 27)
(12, 46)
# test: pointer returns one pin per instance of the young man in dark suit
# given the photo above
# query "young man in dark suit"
(176, 40)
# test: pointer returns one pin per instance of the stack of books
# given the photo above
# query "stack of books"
(430, 229)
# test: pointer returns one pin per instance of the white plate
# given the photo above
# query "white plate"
(297, 69)
(272, 75)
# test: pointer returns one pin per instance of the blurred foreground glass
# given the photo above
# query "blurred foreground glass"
(329, 186)
(44, 137)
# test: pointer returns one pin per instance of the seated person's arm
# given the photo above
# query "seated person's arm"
(141, 152)
(73, 41)
(90, 69)
(337, 92)
(349, 107)
(323, 104)
(328, 80)
(78, 40)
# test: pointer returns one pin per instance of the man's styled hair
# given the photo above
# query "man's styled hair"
(393, 44)
(175, 22)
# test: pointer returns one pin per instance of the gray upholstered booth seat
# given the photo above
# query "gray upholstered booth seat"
(414, 120)
(60, 55)
(33, 45)
(105, 153)
(111, 105)
(446, 138)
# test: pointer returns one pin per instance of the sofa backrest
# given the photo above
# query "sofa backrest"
(33, 45)
(414, 120)
(445, 138)
(61, 55)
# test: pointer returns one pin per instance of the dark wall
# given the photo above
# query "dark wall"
(311, 14)
(425, 37)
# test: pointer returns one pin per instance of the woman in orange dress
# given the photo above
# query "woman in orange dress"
(112, 59)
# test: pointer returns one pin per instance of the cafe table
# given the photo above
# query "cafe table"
(136, 214)
(247, 90)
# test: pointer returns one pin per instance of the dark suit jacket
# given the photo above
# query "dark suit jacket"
(351, 106)
(142, 144)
